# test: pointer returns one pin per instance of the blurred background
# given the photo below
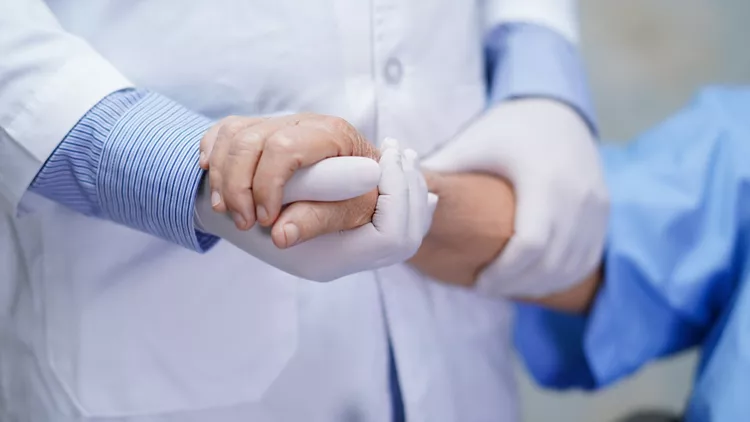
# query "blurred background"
(645, 59)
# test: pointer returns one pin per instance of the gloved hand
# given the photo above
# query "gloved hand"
(547, 152)
(402, 217)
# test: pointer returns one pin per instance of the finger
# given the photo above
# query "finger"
(352, 142)
(333, 179)
(417, 191)
(209, 138)
(285, 152)
(242, 155)
(391, 213)
(225, 131)
(242, 158)
(303, 221)
(207, 145)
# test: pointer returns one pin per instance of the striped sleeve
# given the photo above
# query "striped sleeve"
(132, 159)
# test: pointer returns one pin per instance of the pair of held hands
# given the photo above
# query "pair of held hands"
(551, 230)
(343, 215)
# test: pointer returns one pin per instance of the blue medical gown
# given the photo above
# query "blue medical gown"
(677, 264)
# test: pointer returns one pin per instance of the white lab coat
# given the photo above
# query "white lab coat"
(99, 322)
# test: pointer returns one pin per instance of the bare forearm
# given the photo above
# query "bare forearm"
(471, 225)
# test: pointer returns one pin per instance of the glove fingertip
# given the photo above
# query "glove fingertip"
(389, 143)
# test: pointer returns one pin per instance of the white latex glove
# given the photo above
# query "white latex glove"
(547, 152)
(402, 217)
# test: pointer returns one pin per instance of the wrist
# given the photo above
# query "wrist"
(471, 226)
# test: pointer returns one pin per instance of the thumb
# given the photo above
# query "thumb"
(302, 221)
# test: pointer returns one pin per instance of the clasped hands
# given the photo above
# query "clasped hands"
(272, 192)
(549, 226)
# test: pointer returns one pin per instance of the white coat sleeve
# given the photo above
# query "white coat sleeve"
(559, 15)
(49, 79)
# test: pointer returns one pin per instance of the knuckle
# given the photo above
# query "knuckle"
(225, 133)
(346, 137)
(249, 142)
(238, 203)
(338, 124)
(230, 125)
(287, 150)
(317, 218)
(282, 143)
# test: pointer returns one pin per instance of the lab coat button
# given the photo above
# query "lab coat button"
(394, 71)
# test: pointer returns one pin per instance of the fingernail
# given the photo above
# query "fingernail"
(202, 158)
(239, 220)
(261, 213)
(291, 231)
(215, 198)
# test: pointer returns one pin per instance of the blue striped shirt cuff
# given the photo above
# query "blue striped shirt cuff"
(133, 160)
(527, 60)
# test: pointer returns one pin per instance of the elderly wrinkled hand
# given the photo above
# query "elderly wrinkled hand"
(402, 216)
(251, 159)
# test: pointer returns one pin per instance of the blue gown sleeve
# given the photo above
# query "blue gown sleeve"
(680, 199)
(528, 60)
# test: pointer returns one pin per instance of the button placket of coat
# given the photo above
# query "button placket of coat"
(407, 314)
(388, 65)
(416, 349)
(355, 28)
